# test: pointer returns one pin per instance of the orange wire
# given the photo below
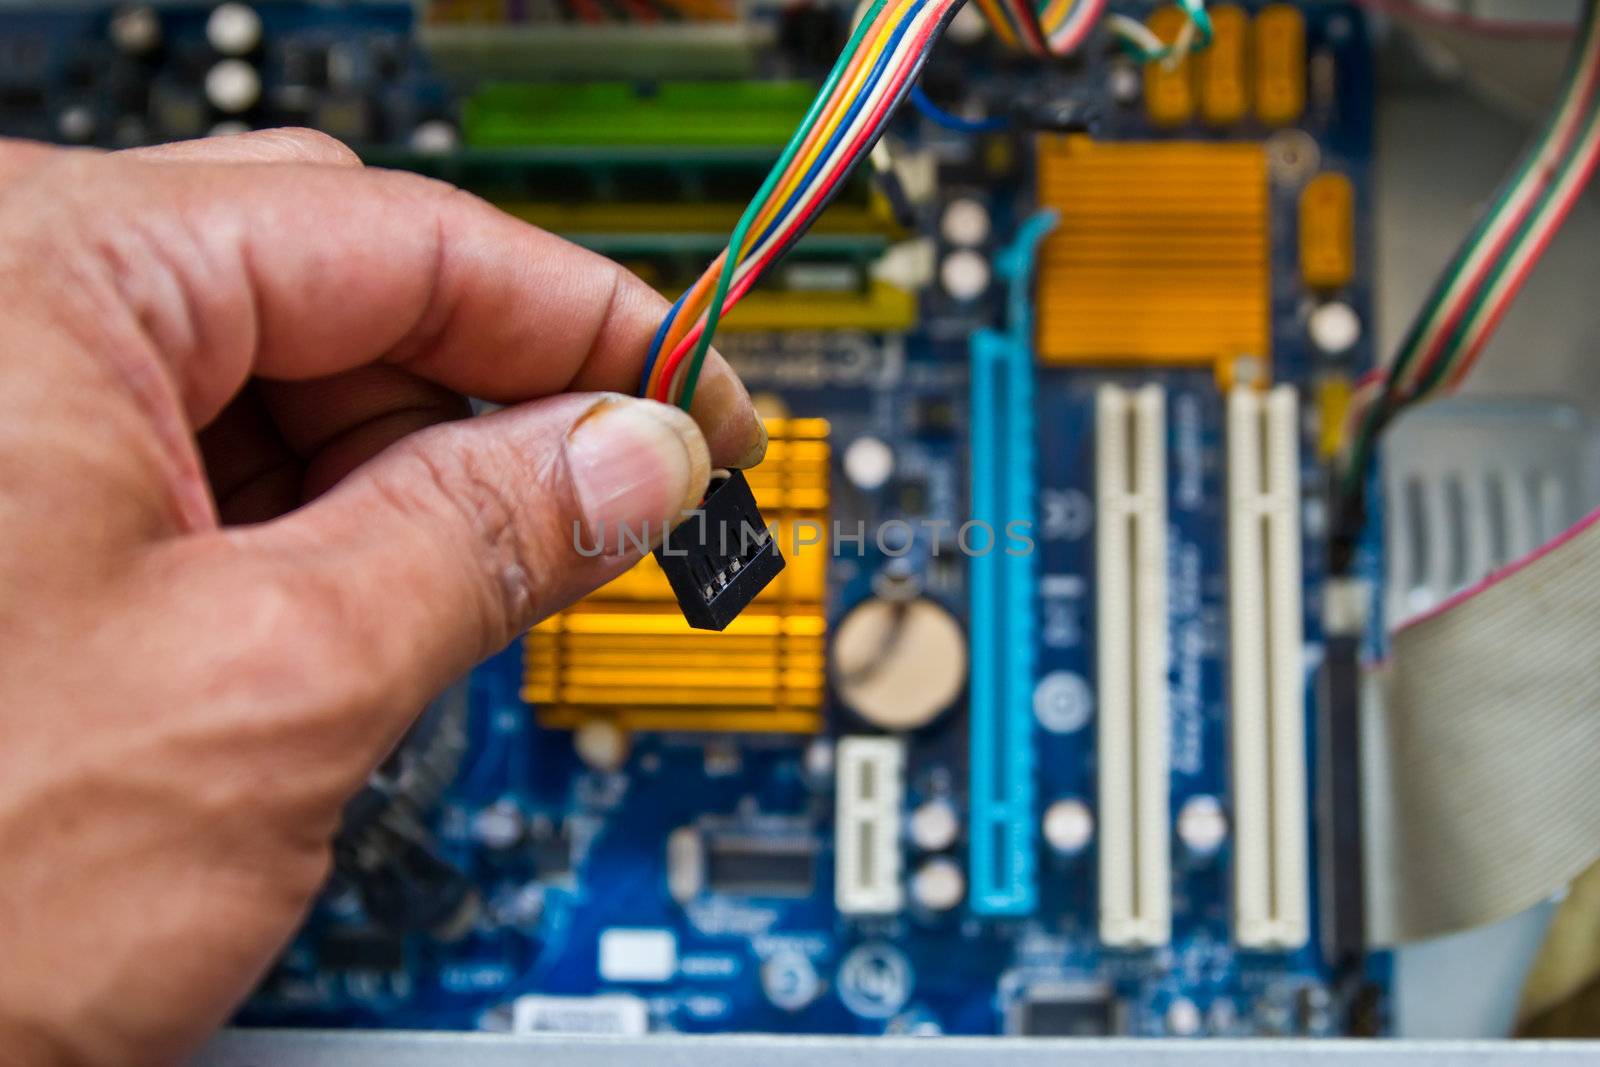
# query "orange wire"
(694, 303)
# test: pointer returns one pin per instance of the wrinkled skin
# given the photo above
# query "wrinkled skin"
(244, 536)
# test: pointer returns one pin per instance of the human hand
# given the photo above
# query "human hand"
(208, 644)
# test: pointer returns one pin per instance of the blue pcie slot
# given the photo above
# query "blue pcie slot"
(1001, 757)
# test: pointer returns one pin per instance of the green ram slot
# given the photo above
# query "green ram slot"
(708, 114)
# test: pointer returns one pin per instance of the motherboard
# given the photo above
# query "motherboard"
(1024, 740)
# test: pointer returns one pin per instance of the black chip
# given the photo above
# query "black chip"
(362, 949)
(934, 417)
(761, 868)
(1089, 1012)
(551, 847)
(913, 495)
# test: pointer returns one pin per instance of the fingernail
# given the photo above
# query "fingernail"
(635, 466)
(757, 450)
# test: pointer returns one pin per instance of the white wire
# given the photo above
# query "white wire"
(1136, 33)
(933, 11)
(1514, 209)
(1551, 215)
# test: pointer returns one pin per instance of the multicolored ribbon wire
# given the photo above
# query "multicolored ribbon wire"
(1489, 269)
(876, 71)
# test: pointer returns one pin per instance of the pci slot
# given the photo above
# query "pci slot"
(1001, 758)
(869, 795)
(1131, 609)
(1271, 875)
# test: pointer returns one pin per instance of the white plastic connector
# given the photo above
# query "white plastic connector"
(869, 795)
(1267, 671)
(1131, 605)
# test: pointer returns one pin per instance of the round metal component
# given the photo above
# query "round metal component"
(899, 665)
(818, 762)
(601, 745)
(499, 826)
(1183, 1018)
(964, 274)
(874, 980)
(234, 29)
(1202, 825)
(1292, 156)
(1125, 83)
(136, 31)
(1334, 328)
(935, 826)
(1063, 702)
(1068, 826)
(789, 980)
(521, 907)
(868, 462)
(938, 885)
(233, 86)
(75, 124)
(436, 137)
(965, 222)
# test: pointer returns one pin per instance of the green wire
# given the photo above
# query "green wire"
(731, 264)
(1385, 407)
(1196, 10)
(1465, 327)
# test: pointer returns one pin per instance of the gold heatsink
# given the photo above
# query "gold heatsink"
(625, 655)
(1161, 257)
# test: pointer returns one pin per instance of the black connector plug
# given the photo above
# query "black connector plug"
(720, 558)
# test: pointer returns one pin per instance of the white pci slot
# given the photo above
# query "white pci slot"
(1131, 605)
(870, 793)
(1267, 671)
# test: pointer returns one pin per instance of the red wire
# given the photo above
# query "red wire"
(1035, 32)
(1523, 272)
(1457, 314)
(879, 114)
(1090, 19)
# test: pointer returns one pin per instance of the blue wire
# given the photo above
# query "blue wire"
(655, 344)
(940, 117)
(844, 124)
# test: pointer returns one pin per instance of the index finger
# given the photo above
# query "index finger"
(302, 271)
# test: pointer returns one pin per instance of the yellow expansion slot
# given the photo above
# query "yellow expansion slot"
(883, 307)
(625, 655)
(878, 307)
(1161, 257)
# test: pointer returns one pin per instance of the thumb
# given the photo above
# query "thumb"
(440, 550)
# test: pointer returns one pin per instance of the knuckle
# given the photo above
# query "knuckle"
(424, 186)
(459, 477)
(314, 146)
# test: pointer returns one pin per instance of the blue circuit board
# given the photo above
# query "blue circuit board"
(351, 70)
(590, 855)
